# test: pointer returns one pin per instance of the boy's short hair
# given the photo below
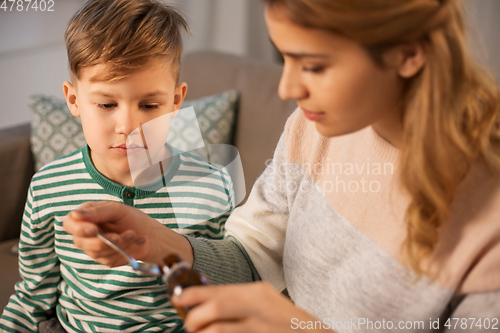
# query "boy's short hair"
(124, 34)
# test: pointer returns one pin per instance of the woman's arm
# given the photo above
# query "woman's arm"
(223, 261)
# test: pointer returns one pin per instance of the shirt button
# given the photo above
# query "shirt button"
(129, 195)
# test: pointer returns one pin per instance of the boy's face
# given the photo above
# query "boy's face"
(110, 111)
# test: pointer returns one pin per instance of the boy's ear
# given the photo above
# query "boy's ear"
(70, 94)
(407, 59)
(179, 95)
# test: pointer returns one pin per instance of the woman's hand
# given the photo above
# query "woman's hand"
(253, 307)
(141, 236)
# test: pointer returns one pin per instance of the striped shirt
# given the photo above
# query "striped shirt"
(88, 296)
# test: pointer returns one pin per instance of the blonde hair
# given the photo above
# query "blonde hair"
(124, 34)
(451, 108)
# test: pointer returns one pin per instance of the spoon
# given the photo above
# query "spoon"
(143, 268)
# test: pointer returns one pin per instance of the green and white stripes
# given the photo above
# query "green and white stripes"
(88, 296)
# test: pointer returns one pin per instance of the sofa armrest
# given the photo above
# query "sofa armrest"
(9, 274)
(16, 170)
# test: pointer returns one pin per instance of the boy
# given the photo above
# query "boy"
(124, 61)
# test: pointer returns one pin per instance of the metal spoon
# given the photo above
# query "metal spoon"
(143, 268)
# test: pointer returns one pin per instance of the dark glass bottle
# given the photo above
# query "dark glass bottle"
(178, 275)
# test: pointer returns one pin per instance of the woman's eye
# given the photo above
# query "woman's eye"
(106, 106)
(317, 69)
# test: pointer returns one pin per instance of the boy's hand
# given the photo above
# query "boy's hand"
(141, 236)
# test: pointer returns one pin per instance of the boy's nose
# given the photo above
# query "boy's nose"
(126, 121)
(291, 85)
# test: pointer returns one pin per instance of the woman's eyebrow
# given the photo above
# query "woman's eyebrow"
(299, 55)
(304, 55)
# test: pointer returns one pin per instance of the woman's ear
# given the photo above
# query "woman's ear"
(411, 59)
(70, 94)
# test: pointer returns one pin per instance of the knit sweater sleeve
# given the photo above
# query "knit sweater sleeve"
(223, 261)
(255, 238)
(36, 295)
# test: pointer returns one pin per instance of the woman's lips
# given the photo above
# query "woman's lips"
(313, 116)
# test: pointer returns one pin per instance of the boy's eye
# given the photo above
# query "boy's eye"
(150, 106)
(106, 106)
(317, 69)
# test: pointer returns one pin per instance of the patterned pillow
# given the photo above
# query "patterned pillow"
(215, 117)
(55, 132)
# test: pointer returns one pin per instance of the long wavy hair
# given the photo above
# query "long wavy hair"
(451, 108)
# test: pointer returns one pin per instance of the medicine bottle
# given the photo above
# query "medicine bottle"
(178, 275)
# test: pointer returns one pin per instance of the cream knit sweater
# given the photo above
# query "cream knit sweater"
(326, 221)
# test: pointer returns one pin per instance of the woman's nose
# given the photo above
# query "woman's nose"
(291, 85)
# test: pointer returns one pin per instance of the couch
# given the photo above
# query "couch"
(260, 120)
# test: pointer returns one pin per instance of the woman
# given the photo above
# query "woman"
(378, 211)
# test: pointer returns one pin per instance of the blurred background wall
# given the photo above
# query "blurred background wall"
(33, 57)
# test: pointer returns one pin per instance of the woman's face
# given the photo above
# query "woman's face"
(334, 80)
